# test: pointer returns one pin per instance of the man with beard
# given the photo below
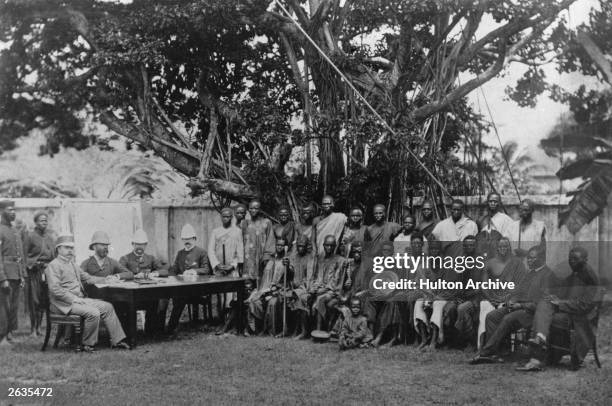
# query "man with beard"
(304, 274)
(327, 285)
(575, 300)
(100, 264)
(286, 227)
(143, 266)
(12, 272)
(518, 312)
(427, 223)
(380, 231)
(39, 251)
(67, 296)
(190, 260)
(328, 223)
(354, 231)
(258, 242)
(452, 230)
(505, 267)
(528, 232)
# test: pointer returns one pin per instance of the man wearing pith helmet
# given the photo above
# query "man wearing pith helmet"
(67, 296)
(100, 264)
(193, 260)
(144, 265)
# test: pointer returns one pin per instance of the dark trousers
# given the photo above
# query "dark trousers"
(545, 317)
(9, 304)
(499, 324)
(178, 305)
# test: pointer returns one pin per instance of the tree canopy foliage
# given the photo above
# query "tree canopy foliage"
(587, 133)
(214, 87)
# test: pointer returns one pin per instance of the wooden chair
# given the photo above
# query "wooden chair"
(563, 340)
(61, 321)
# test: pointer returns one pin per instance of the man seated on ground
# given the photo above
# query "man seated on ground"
(577, 295)
(143, 266)
(100, 264)
(327, 285)
(191, 260)
(506, 268)
(260, 320)
(225, 253)
(518, 312)
(66, 296)
(354, 331)
(304, 274)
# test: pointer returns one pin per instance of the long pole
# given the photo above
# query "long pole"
(285, 295)
(360, 96)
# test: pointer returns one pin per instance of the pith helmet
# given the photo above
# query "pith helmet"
(187, 232)
(99, 237)
(140, 237)
(65, 240)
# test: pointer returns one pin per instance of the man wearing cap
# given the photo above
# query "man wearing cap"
(67, 296)
(39, 249)
(192, 260)
(12, 272)
(143, 265)
(100, 264)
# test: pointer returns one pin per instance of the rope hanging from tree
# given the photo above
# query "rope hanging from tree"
(360, 96)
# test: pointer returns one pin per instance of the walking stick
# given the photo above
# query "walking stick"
(285, 295)
(223, 246)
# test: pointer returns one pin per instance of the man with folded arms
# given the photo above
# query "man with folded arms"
(518, 312)
(67, 296)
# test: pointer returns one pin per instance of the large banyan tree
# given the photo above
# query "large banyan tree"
(229, 91)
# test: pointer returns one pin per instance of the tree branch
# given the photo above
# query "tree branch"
(464, 89)
(598, 57)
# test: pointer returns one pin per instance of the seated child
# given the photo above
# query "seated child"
(354, 331)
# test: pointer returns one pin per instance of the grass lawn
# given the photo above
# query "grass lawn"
(201, 368)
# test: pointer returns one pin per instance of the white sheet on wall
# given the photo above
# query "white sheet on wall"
(118, 219)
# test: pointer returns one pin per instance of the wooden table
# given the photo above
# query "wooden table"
(133, 293)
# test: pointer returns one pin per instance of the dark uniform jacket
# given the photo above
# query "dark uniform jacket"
(12, 263)
(146, 262)
(39, 247)
(109, 267)
(196, 258)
